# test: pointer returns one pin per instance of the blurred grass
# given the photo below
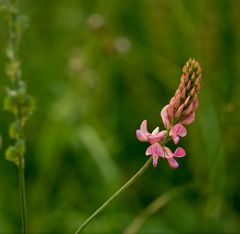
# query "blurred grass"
(97, 69)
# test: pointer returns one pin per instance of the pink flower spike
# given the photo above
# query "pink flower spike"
(142, 134)
(178, 131)
(165, 117)
(179, 152)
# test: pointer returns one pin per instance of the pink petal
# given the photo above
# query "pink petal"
(167, 153)
(179, 111)
(143, 126)
(193, 91)
(165, 117)
(187, 101)
(157, 137)
(195, 105)
(183, 93)
(170, 111)
(172, 100)
(172, 163)
(155, 150)
(189, 109)
(155, 160)
(176, 139)
(177, 101)
(189, 119)
(179, 130)
(179, 152)
(141, 136)
(176, 131)
(143, 133)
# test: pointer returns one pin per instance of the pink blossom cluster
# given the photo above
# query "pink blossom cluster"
(180, 111)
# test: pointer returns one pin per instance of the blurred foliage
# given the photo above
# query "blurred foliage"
(97, 69)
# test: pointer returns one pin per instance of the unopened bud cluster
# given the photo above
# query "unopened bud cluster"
(183, 105)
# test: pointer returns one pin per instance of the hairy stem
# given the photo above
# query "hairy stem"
(115, 195)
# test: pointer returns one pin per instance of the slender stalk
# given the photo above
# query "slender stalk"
(22, 194)
(15, 77)
(115, 195)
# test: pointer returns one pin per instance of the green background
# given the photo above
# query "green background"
(97, 69)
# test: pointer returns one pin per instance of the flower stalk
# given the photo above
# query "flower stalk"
(115, 195)
(17, 100)
(179, 112)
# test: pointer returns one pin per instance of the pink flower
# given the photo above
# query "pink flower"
(156, 150)
(178, 131)
(179, 153)
(142, 134)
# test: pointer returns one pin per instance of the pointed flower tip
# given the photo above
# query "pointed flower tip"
(142, 133)
(143, 126)
(165, 117)
(141, 136)
(173, 163)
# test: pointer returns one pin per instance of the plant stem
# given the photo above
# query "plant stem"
(22, 194)
(115, 195)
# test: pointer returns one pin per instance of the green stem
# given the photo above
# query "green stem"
(22, 194)
(115, 195)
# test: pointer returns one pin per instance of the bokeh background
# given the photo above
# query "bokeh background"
(97, 69)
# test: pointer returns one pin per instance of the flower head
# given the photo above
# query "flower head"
(180, 111)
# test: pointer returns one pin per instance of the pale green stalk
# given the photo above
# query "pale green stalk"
(115, 195)
(22, 194)
(15, 77)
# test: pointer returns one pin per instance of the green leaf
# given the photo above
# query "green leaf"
(10, 102)
(15, 130)
(12, 154)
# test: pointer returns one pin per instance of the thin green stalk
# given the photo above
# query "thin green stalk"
(22, 194)
(115, 195)
(16, 101)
